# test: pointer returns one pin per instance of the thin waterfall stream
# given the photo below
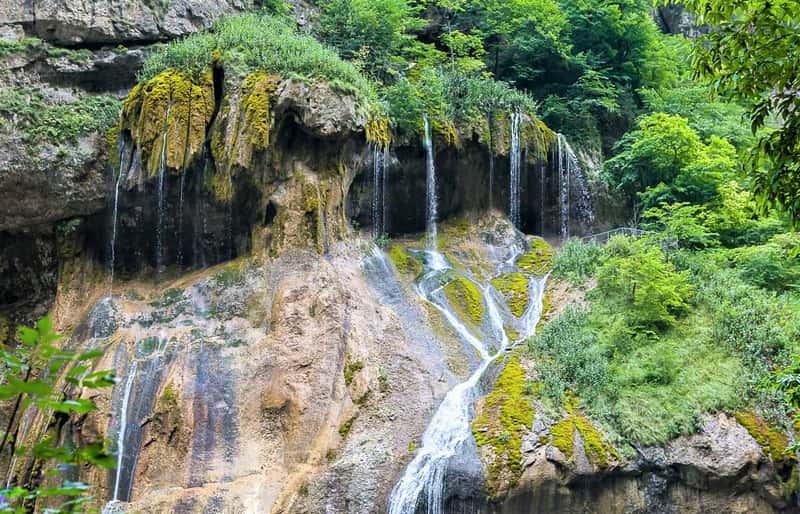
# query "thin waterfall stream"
(431, 204)
(121, 176)
(380, 159)
(572, 185)
(449, 431)
(162, 168)
(515, 158)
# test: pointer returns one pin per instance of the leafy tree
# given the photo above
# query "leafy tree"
(638, 282)
(656, 152)
(751, 55)
(39, 376)
(681, 223)
(372, 33)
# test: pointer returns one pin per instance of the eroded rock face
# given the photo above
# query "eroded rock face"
(720, 469)
(282, 387)
(105, 22)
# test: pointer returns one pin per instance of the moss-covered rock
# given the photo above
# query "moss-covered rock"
(563, 433)
(405, 263)
(503, 417)
(772, 440)
(539, 259)
(514, 287)
(465, 297)
(168, 117)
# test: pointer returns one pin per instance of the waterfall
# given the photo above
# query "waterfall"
(123, 424)
(431, 206)
(542, 172)
(514, 213)
(161, 172)
(569, 170)
(180, 221)
(563, 187)
(450, 429)
(380, 158)
(122, 146)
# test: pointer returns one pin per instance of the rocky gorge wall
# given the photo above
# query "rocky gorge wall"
(269, 361)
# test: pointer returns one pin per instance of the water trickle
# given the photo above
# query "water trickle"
(162, 168)
(229, 219)
(542, 173)
(569, 170)
(431, 205)
(380, 158)
(515, 157)
(122, 146)
(123, 425)
(180, 221)
(449, 433)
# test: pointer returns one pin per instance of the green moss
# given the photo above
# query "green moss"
(170, 109)
(345, 427)
(412, 446)
(257, 91)
(378, 131)
(404, 262)
(563, 435)
(773, 440)
(505, 415)
(539, 259)
(514, 287)
(350, 369)
(466, 299)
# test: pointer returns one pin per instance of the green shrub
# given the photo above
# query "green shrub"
(576, 261)
(637, 281)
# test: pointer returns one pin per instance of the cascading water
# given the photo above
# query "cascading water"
(431, 205)
(380, 158)
(563, 187)
(569, 170)
(121, 176)
(162, 168)
(123, 426)
(449, 432)
(515, 157)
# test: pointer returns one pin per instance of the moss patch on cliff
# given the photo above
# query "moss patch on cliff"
(563, 431)
(514, 287)
(167, 117)
(773, 440)
(539, 259)
(465, 297)
(257, 91)
(405, 263)
(505, 414)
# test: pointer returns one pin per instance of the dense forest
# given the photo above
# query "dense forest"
(411, 252)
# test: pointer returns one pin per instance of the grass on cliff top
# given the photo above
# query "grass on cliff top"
(252, 42)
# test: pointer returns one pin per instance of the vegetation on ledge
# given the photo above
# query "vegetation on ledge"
(503, 417)
(539, 259)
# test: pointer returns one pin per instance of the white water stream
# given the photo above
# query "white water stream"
(423, 482)
(431, 204)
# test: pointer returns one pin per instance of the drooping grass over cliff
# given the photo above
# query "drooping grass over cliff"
(253, 42)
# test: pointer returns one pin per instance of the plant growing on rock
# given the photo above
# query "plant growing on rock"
(44, 382)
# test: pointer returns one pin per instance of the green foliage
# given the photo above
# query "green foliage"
(656, 152)
(41, 378)
(681, 223)
(514, 287)
(751, 55)
(639, 283)
(707, 115)
(253, 42)
(576, 261)
(39, 120)
(10, 47)
(373, 34)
